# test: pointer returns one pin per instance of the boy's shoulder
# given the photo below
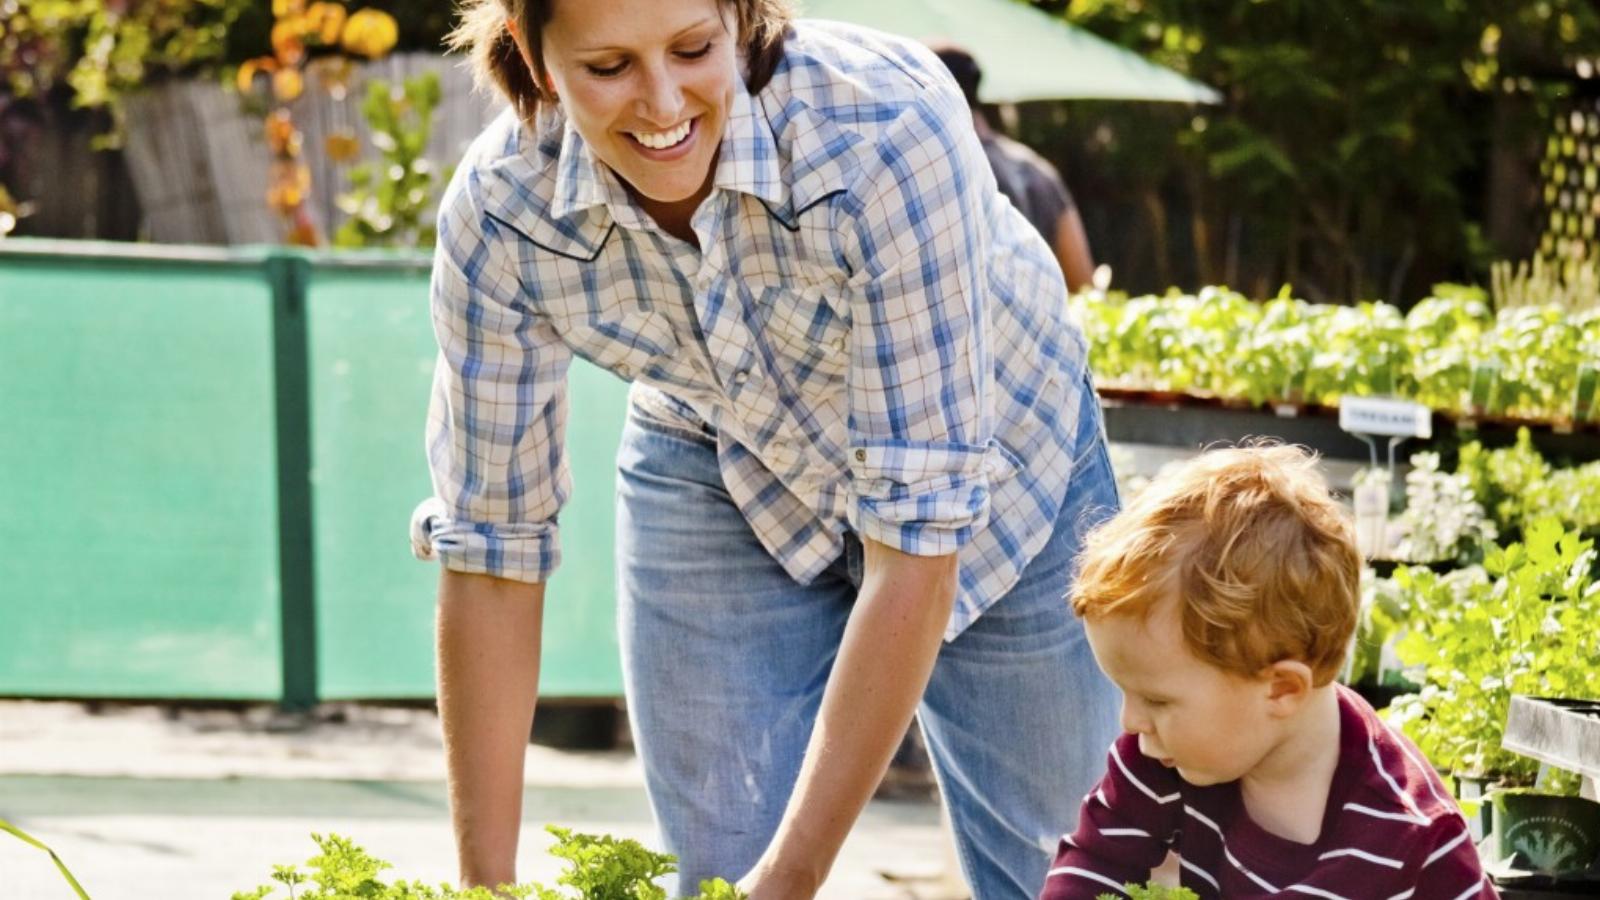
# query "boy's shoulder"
(1391, 781)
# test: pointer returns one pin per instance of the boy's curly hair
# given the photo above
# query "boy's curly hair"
(1251, 544)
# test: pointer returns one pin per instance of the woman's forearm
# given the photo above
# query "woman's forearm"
(884, 662)
(488, 635)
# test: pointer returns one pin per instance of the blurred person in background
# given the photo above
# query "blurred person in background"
(1032, 185)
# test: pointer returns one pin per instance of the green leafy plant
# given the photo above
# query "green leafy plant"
(1526, 622)
(104, 50)
(389, 199)
(1153, 891)
(599, 867)
(1443, 520)
(1288, 179)
(1449, 352)
(1518, 486)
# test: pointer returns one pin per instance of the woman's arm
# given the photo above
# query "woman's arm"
(488, 650)
(884, 662)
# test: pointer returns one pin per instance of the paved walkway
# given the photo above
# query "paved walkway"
(149, 802)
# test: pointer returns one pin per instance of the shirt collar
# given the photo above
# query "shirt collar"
(747, 162)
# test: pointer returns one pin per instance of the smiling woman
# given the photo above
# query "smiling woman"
(861, 453)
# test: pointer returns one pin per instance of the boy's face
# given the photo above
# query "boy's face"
(1212, 726)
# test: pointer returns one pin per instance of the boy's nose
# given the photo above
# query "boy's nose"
(1132, 721)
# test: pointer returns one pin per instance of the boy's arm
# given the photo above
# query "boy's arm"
(1448, 864)
(1124, 828)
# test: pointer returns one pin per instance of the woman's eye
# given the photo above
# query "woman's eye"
(696, 54)
(606, 71)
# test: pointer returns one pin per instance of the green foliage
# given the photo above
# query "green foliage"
(104, 50)
(1518, 487)
(1527, 622)
(1443, 520)
(598, 868)
(1218, 343)
(389, 199)
(1350, 145)
(1153, 891)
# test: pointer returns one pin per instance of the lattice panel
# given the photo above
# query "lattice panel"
(1570, 171)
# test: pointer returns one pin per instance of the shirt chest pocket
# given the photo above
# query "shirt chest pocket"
(805, 331)
(629, 339)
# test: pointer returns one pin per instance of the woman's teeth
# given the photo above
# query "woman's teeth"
(661, 140)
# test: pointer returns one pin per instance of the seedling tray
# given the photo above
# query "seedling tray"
(1562, 733)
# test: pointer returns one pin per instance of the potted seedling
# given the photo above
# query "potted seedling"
(1527, 623)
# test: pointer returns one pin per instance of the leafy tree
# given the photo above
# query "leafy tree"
(1352, 137)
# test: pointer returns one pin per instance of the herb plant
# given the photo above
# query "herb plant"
(1153, 891)
(1449, 352)
(1527, 622)
(599, 867)
(1443, 520)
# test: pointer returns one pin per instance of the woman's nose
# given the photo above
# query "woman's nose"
(662, 101)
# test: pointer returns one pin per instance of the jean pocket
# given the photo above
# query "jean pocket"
(659, 412)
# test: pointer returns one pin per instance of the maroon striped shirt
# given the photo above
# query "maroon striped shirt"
(1390, 830)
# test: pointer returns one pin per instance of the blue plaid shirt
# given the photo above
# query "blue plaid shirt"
(879, 340)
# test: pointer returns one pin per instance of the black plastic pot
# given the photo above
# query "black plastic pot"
(1547, 834)
(1469, 787)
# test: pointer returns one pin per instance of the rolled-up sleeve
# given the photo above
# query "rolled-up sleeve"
(921, 413)
(497, 418)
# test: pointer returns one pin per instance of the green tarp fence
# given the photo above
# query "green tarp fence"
(208, 466)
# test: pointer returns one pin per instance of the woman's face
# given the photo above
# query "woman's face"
(648, 84)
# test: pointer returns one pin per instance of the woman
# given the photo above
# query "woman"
(861, 449)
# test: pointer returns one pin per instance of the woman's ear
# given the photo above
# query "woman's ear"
(1289, 683)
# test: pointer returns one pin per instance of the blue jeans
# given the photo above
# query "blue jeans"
(725, 658)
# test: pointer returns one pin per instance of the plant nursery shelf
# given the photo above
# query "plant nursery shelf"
(1171, 419)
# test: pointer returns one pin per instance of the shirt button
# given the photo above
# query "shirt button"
(861, 456)
(625, 370)
(741, 377)
(841, 344)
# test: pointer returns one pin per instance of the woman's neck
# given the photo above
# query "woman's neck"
(676, 217)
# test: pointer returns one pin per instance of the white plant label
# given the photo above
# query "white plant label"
(1385, 416)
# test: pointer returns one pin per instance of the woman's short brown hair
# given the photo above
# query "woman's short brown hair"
(483, 35)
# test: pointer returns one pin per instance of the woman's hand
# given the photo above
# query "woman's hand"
(885, 659)
(768, 882)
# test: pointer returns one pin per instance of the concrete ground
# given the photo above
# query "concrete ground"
(144, 801)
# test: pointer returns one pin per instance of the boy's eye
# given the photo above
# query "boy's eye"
(606, 71)
(695, 54)
(1153, 703)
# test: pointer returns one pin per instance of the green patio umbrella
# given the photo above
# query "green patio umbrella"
(1026, 54)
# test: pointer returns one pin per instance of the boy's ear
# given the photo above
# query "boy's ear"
(1289, 683)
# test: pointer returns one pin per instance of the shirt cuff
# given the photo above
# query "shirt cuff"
(925, 499)
(527, 552)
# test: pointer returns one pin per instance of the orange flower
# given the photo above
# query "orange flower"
(343, 146)
(281, 8)
(288, 185)
(370, 33)
(326, 21)
(246, 79)
(286, 41)
(283, 139)
(287, 84)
